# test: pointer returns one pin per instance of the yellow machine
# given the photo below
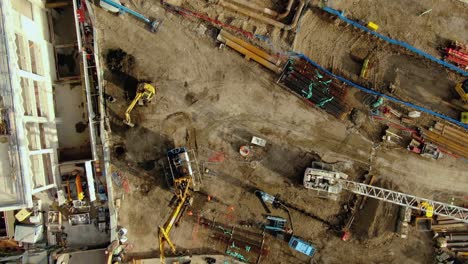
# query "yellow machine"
(183, 199)
(428, 208)
(462, 90)
(145, 92)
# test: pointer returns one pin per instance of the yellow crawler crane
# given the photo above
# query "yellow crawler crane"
(183, 199)
(145, 92)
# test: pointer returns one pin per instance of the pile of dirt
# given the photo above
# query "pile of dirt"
(122, 66)
(118, 61)
(80, 127)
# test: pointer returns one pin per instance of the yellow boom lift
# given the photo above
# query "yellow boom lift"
(145, 93)
(183, 173)
(183, 199)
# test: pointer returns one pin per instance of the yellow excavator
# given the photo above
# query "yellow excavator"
(145, 93)
(427, 208)
(183, 199)
(462, 90)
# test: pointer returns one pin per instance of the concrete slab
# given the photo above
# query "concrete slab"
(85, 257)
(72, 129)
(85, 235)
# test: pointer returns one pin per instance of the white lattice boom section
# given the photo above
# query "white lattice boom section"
(407, 200)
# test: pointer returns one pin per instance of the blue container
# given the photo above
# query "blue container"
(301, 246)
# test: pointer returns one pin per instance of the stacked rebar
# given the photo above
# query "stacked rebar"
(315, 87)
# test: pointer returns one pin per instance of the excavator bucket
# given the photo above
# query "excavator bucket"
(154, 25)
(130, 124)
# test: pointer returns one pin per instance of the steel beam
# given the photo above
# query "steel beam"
(406, 200)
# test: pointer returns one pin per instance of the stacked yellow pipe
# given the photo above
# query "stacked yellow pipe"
(250, 51)
(446, 143)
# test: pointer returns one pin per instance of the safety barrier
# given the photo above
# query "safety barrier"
(395, 42)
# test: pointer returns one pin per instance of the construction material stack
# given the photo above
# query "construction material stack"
(451, 235)
(458, 54)
(269, 61)
(242, 244)
(449, 138)
(315, 87)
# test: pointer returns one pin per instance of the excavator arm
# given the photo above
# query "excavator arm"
(128, 120)
(183, 196)
(462, 90)
(146, 92)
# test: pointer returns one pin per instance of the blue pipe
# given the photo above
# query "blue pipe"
(127, 10)
(390, 98)
(395, 42)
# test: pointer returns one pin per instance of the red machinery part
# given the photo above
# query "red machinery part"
(457, 60)
(345, 236)
(457, 56)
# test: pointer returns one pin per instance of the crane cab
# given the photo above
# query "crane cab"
(322, 178)
(182, 164)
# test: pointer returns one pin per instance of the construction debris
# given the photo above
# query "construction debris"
(457, 53)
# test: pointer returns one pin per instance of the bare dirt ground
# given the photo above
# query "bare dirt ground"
(416, 80)
(401, 20)
(226, 100)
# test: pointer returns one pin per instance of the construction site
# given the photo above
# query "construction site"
(234, 131)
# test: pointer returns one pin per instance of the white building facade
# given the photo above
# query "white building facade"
(28, 146)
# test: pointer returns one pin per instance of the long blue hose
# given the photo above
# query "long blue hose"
(390, 98)
(127, 10)
(395, 42)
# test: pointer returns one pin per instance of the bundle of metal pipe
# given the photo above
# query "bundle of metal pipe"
(306, 69)
(455, 241)
(315, 95)
(315, 88)
(454, 133)
(251, 52)
(455, 146)
(318, 93)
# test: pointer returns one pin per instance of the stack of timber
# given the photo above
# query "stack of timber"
(448, 137)
(315, 86)
(271, 62)
(446, 224)
(452, 235)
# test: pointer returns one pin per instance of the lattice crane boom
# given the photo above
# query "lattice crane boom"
(407, 200)
(329, 183)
